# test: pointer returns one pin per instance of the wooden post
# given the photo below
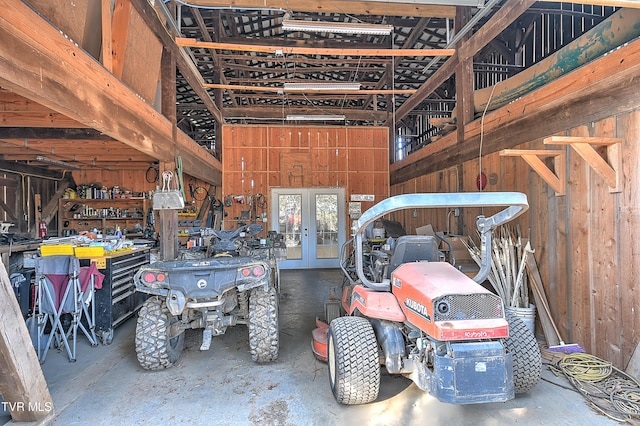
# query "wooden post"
(168, 223)
(23, 386)
(464, 78)
(37, 208)
(168, 234)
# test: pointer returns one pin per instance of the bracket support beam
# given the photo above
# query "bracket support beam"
(608, 169)
(555, 180)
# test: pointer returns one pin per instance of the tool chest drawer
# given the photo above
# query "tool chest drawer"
(117, 300)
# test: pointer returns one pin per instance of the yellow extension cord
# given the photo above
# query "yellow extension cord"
(594, 375)
(585, 367)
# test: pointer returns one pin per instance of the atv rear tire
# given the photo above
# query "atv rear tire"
(527, 360)
(353, 362)
(154, 348)
(263, 325)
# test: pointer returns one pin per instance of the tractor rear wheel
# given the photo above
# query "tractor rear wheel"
(527, 360)
(354, 365)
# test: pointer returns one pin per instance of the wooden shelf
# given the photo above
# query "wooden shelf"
(89, 214)
(557, 180)
(608, 169)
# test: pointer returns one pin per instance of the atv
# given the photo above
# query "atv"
(237, 283)
(408, 307)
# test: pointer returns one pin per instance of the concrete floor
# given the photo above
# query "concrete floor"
(222, 386)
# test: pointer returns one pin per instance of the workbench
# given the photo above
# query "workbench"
(117, 300)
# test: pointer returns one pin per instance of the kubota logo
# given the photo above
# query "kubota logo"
(417, 307)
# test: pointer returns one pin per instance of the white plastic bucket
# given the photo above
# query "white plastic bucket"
(528, 315)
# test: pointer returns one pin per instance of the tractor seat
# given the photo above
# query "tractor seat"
(413, 248)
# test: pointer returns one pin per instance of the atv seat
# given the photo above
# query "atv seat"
(412, 248)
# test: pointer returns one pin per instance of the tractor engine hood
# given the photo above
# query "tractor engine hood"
(446, 304)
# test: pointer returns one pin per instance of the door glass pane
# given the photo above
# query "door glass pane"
(326, 226)
(289, 216)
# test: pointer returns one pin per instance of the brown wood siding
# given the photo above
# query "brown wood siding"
(586, 242)
(303, 157)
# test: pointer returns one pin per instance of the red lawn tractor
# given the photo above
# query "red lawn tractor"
(406, 305)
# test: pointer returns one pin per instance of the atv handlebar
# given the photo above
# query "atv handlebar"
(516, 202)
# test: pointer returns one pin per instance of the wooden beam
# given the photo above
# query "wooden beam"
(24, 169)
(41, 64)
(226, 58)
(23, 386)
(610, 169)
(364, 93)
(569, 101)
(18, 111)
(218, 73)
(339, 6)
(190, 154)
(557, 180)
(120, 33)
(464, 78)
(21, 149)
(52, 133)
(490, 30)
(191, 42)
(612, 3)
(51, 209)
(8, 211)
(185, 64)
(106, 16)
(270, 112)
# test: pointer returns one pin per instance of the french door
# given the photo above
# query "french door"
(313, 222)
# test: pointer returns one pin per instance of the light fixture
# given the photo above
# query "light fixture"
(316, 118)
(336, 27)
(55, 162)
(306, 87)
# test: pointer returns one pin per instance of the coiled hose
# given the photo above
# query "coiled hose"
(607, 389)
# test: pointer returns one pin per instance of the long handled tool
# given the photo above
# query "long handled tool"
(553, 337)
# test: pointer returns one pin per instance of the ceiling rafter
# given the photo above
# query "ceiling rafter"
(185, 42)
(367, 7)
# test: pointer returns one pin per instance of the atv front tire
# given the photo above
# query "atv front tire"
(155, 349)
(354, 365)
(263, 325)
(527, 360)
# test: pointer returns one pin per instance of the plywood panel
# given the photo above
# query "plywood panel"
(143, 54)
(247, 159)
(286, 156)
(295, 169)
(69, 17)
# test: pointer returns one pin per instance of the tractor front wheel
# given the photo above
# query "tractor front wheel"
(354, 365)
(527, 360)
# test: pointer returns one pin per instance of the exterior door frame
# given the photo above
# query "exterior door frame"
(308, 230)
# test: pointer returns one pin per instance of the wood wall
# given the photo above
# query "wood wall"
(355, 158)
(587, 242)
